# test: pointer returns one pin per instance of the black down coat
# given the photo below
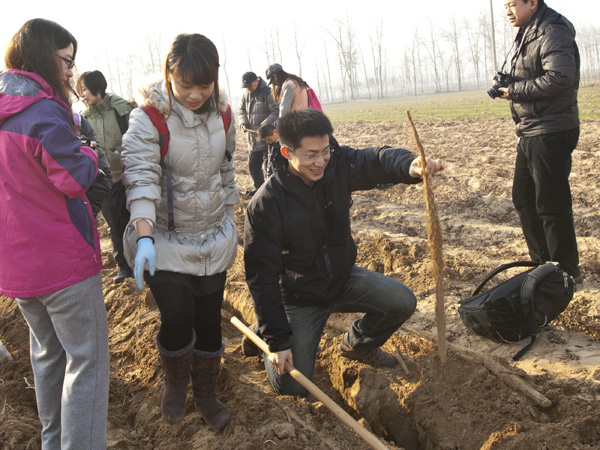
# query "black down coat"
(298, 248)
(256, 109)
(546, 70)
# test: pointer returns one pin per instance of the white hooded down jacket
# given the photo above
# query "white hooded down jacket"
(204, 191)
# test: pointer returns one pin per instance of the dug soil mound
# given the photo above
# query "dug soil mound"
(479, 399)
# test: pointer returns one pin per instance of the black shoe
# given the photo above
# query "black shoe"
(249, 348)
(123, 273)
(373, 357)
(578, 282)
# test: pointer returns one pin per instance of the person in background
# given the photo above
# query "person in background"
(289, 91)
(50, 256)
(109, 116)
(103, 182)
(182, 237)
(544, 80)
(300, 257)
(257, 108)
(268, 133)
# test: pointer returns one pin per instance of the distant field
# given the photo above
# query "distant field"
(455, 105)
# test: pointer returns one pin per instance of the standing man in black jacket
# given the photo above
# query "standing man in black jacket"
(300, 256)
(543, 102)
(256, 108)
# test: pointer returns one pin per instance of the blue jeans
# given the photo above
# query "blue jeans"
(69, 356)
(386, 302)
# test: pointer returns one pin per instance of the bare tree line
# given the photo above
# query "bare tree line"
(451, 57)
(454, 56)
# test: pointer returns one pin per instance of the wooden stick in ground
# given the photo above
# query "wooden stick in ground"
(434, 234)
(511, 379)
(368, 437)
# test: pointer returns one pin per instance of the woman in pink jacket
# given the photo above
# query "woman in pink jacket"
(290, 91)
(49, 249)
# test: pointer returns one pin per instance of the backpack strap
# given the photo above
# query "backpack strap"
(122, 122)
(531, 282)
(160, 122)
(226, 116)
(527, 291)
(502, 268)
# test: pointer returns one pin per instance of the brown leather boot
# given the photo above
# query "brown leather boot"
(205, 374)
(177, 366)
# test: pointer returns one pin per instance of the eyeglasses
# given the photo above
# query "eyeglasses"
(313, 155)
(70, 62)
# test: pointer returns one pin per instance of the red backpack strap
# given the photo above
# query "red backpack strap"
(226, 115)
(160, 122)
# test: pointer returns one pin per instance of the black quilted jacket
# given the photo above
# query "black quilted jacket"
(546, 70)
(298, 247)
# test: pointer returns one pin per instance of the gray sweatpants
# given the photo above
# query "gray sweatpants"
(70, 361)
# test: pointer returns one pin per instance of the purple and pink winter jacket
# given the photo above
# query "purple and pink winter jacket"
(48, 237)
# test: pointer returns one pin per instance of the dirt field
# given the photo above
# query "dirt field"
(469, 403)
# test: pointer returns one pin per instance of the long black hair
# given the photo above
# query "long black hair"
(33, 49)
(280, 77)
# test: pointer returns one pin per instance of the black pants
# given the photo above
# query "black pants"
(182, 311)
(542, 196)
(257, 162)
(115, 212)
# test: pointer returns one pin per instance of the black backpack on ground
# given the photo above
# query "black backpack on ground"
(515, 309)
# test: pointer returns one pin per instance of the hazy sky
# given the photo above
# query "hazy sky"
(239, 27)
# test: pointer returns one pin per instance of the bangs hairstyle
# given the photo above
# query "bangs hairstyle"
(33, 49)
(94, 81)
(193, 59)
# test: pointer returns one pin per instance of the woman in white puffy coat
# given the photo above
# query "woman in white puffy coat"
(184, 259)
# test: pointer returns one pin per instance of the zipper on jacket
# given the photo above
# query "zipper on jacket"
(327, 262)
(88, 223)
(323, 226)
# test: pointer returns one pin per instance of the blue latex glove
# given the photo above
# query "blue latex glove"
(145, 254)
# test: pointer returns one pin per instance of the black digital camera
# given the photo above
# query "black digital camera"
(502, 79)
(85, 140)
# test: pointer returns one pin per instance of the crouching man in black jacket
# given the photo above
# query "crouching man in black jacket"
(300, 255)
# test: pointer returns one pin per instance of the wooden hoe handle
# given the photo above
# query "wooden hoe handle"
(368, 437)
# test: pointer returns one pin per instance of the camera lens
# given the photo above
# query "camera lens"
(494, 91)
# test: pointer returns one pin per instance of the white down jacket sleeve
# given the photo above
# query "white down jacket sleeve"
(228, 168)
(141, 166)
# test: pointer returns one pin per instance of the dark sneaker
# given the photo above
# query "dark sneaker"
(373, 357)
(249, 348)
(123, 273)
(578, 282)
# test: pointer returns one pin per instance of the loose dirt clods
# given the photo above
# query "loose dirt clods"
(419, 405)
